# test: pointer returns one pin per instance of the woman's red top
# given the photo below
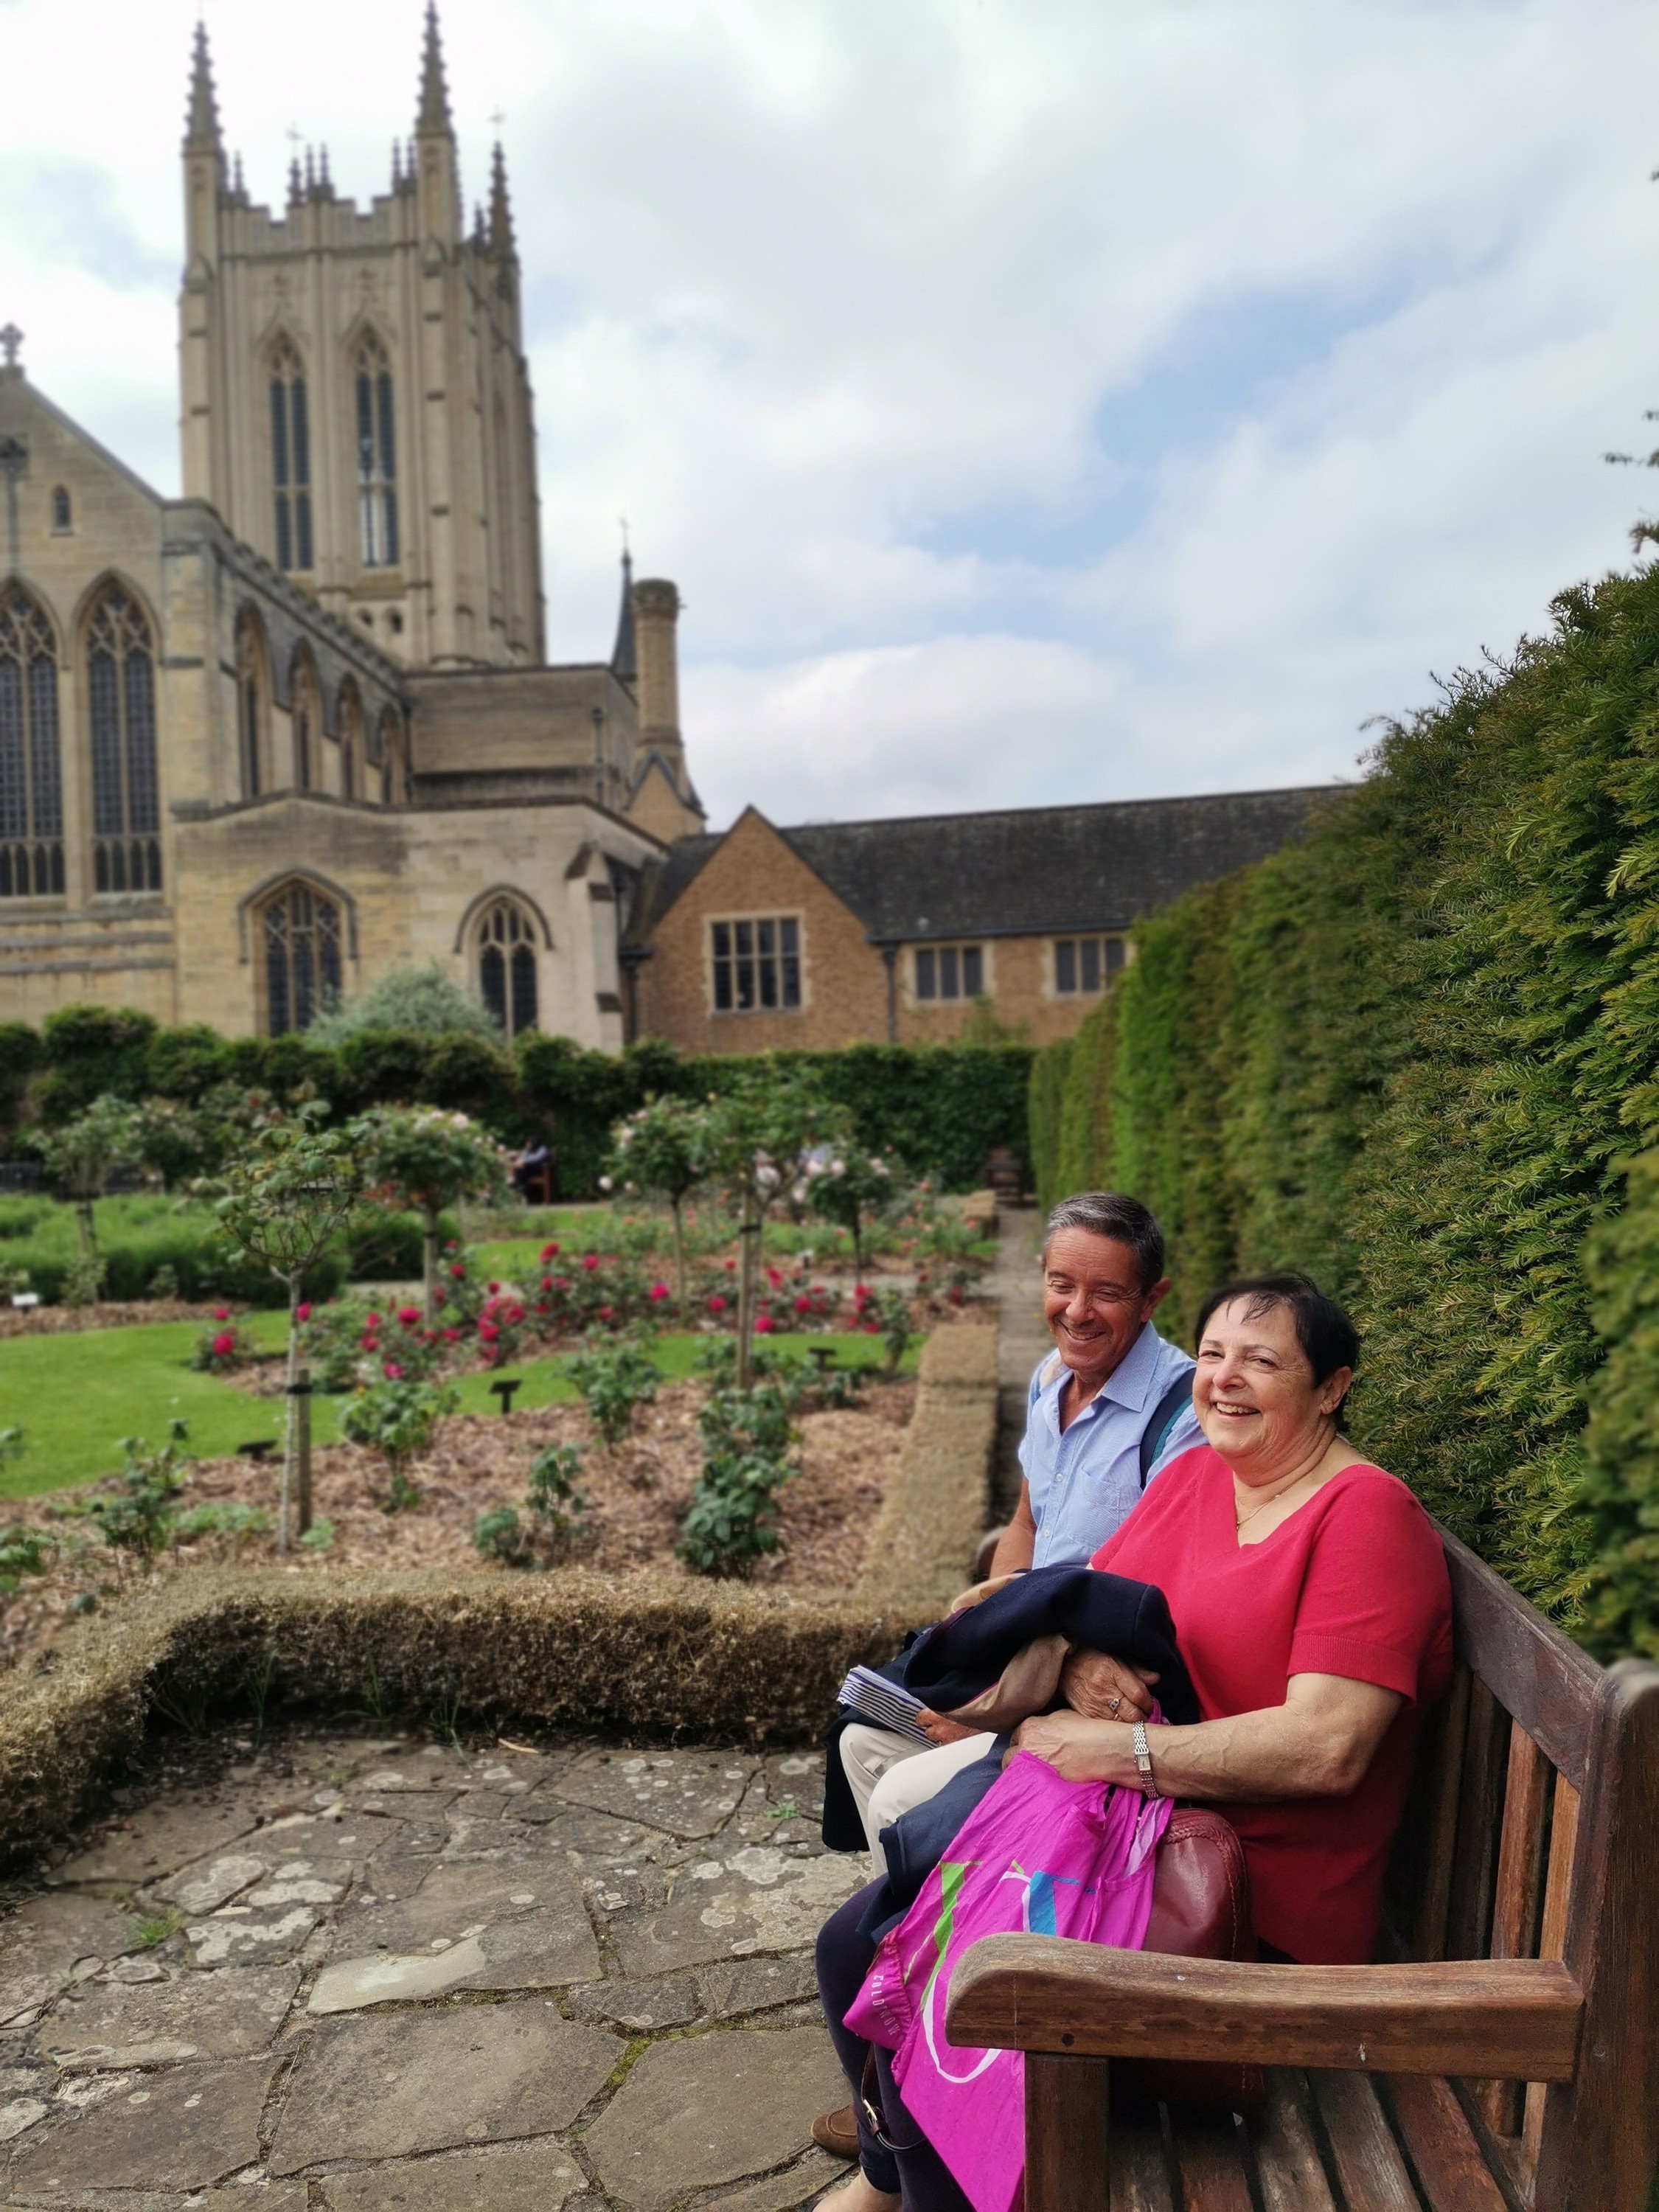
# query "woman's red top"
(1354, 1584)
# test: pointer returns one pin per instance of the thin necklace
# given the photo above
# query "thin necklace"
(1241, 1518)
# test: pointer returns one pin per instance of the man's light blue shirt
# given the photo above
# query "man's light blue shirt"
(1086, 1483)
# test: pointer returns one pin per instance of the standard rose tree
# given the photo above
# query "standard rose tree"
(427, 1158)
(663, 1150)
(281, 1204)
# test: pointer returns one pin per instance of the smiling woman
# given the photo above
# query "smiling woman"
(1313, 1613)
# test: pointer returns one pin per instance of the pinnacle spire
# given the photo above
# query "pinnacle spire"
(624, 660)
(435, 90)
(202, 124)
(500, 208)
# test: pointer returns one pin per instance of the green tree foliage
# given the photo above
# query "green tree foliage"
(1415, 1054)
(662, 1150)
(428, 1159)
(408, 1001)
(852, 1187)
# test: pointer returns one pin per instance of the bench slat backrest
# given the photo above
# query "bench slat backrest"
(1541, 1819)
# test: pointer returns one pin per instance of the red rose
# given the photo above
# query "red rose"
(590, 1261)
(457, 1272)
(302, 1313)
(408, 1315)
(657, 1293)
(717, 1304)
(762, 1324)
(488, 1330)
(392, 1372)
(549, 1252)
(803, 1305)
(221, 1313)
(224, 1343)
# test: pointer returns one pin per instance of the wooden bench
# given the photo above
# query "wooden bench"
(1506, 2056)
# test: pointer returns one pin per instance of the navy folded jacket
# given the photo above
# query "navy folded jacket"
(957, 1659)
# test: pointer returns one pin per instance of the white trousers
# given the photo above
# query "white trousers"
(890, 1774)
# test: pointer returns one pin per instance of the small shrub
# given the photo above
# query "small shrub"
(729, 1522)
(83, 1280)
(885, 1313)
(557, 1496)
(838, 1388)
(496, 1535)
(164, 1282)
(397, 1419)
(222, 1348)
(226, 1516)
(23, 1552)
(613, 1379)
(140, 1517)
(318, 1536)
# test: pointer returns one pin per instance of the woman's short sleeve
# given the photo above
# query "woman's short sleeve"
(1376, 1601)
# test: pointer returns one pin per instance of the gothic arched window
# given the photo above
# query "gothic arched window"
(299, 939)
(126, 845)
(506, 966)
(252, 702)
(377, 457)
(307, 720)
(390, 760)
(351, 741)
(290, 458)
(31, 780)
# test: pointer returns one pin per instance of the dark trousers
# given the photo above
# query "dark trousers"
(913, 2168)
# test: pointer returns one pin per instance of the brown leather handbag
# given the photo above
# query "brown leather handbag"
(1200, 1909)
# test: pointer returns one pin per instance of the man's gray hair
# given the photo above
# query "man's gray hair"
(1125, 1220)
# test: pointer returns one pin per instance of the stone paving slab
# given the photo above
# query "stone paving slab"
(532, 2177)
(695, 2111)
(389, 2084)
(688, 1793)
(545, 1915)
(184, 2129)
(110, 2025)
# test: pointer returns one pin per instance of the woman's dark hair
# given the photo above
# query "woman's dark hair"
(1328, 1339)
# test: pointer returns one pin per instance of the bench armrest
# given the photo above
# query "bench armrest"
(1511, 2020)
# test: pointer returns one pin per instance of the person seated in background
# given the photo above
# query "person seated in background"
(1111, 1382)
(1313, 1611)
(532, 1171)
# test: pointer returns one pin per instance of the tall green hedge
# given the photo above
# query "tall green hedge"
(942, 1109)
(1419, 1055)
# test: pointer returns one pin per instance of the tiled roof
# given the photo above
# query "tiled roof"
(1028, 872)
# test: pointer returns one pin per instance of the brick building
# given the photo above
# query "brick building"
(836, 933)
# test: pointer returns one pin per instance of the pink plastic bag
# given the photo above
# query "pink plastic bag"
(1037, 1854)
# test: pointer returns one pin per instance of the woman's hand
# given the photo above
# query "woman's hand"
(1102, 1688)
(1080, 1750)
(942, 1729)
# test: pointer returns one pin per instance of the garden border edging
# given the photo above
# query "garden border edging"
(646, 1652)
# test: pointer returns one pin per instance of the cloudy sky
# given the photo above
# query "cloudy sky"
(1034, 400)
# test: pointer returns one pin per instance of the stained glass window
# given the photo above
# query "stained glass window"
(377, 457)
(290, 458)
(507, 967)
(31, 779)
(300, 934)
(126, 816)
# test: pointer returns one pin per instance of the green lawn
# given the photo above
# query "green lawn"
(75, 1397)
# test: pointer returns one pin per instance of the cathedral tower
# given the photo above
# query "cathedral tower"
(356, 404)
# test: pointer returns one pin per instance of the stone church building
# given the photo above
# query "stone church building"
(262, 743)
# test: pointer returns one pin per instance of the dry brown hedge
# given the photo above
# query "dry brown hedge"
(645, 1653)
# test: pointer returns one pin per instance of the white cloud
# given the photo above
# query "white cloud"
(1039, 398)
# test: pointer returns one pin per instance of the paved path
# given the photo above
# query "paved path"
(1022, 1340)
(356, 1975)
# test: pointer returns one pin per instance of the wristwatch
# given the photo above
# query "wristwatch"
(1144, 1761)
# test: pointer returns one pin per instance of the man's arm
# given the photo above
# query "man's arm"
(1014, 1553)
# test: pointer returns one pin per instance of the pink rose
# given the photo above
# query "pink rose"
(224, 1343)
(803, 1305)
(488, 1330)
(392, 1372)
(452, 1336)
(657, 1293)
(717, 1304)
(221, 1313)
(408, 1315)
(302, 1313)
(762, 1324)
(371, 1321)
(590, 1261)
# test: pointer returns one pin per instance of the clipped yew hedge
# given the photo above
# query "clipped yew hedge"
(942, 1109)
(1418, 1055)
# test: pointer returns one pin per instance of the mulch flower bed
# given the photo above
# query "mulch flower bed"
(637, 1492)
(111, 1313)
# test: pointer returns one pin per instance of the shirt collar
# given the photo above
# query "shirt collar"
(1129, 1384)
